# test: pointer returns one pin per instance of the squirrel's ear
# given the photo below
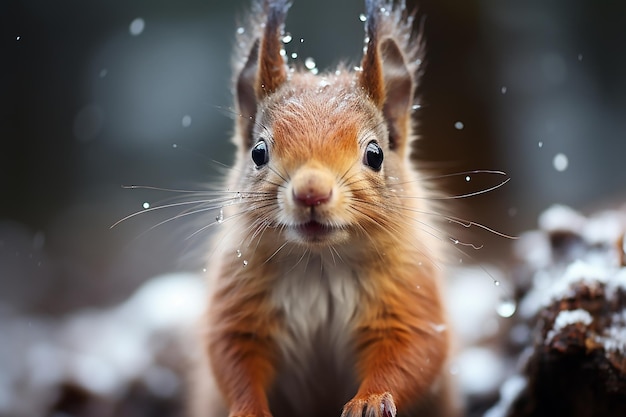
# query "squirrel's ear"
(260, 67)
(390, 67)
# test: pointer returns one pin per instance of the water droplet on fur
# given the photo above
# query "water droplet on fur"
(506, 308)
(324, 83)
(294, 55)
(362, 18)
(540, 144)
(146, 205)
(468, 178)
(245, 263)
(241, 30)
(220, 216)
(309, 63)
(287, 38)
(238, 253)
(18, 38)
(496, 282)
(416, 107)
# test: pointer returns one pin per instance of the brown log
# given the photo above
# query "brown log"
(573, 298)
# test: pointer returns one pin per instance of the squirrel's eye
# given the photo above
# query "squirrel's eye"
(373, 157)
(260, 155)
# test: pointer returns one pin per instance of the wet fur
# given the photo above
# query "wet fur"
(353, 320)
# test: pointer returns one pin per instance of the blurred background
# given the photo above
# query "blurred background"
(96, 95)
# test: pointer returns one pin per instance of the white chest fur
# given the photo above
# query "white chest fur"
(319, 302)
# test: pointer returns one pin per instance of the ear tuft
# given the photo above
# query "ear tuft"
(390, 66)
(260, 68)
(272, 65)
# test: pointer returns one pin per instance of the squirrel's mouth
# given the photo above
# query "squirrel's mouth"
(313, 229)
(318, 234)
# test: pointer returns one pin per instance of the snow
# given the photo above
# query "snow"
(614, 337)
(569, 317)
(123, 333)
(534, 249)
(479, 371)
(615, 340)
(549, 286)
(606, 227)
(617, 283)
(166, 302)
(472, 301)
(560, 162)
(561, 218)
(137, 26)
(102, 351)
(309, 63)
(597, 260)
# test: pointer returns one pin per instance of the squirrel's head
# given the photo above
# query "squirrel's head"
(325, 155)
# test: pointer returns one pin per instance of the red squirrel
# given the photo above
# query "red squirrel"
(325, 291)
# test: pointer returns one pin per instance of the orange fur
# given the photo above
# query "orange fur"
(325, 287)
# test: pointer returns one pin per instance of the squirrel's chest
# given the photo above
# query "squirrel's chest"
(317, 302)
(319, 306)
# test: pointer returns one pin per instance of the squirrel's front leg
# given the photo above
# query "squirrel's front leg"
(242, 354)
(401, 349)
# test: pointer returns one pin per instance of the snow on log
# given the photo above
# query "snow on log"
(571, 290)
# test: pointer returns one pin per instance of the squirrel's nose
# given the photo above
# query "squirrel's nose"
(312, 187)
(312, 197)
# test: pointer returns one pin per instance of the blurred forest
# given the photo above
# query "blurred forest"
(104, 94)
(91, 103)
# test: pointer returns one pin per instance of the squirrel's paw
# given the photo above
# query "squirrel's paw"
(373, 405)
